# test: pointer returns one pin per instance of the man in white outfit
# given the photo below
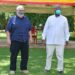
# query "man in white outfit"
(56, 35)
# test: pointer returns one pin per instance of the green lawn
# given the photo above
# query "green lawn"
(37, 62)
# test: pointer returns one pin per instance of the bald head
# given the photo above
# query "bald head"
(56, 7)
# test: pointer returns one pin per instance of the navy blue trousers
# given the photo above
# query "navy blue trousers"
(14, 50)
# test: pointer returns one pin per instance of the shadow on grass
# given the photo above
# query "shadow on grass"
(37, 62)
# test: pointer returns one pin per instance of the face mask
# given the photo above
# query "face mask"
(20, 14)
(57, 12)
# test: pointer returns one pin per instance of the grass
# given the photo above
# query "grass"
(2, 35)
(36, 62)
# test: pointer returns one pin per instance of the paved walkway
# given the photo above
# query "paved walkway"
(38, 45)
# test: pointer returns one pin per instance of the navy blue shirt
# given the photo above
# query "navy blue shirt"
(19, 28)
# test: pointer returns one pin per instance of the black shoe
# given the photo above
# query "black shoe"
(47, 70)
(60, 72)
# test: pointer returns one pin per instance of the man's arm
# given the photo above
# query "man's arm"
(45, 31)
(67, 34)
(30, 37)
(8, 38)
(8, 31)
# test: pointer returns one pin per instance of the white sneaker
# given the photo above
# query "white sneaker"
(12, 72)
(25, 71)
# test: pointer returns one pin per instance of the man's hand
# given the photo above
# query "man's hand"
(8, 42)
(66, 43)
(31, 40)
(8, 39)
(44, 42)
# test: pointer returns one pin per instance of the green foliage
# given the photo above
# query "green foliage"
(2, 20)
(72, 38)
(41, 19)
(71, 22)
(36, 19)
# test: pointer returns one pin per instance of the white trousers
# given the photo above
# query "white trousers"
(59, 54)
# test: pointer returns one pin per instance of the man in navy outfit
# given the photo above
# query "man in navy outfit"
(18, 32)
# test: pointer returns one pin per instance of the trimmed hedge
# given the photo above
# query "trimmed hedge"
(72, 38)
